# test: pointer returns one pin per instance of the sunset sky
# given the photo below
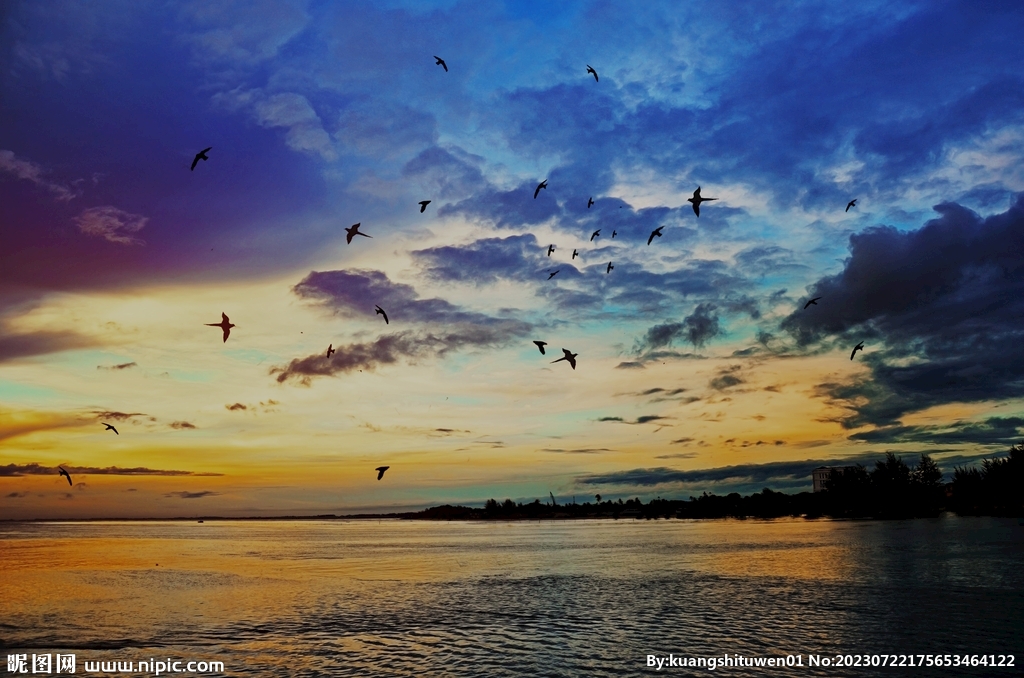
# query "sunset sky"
(698, 368)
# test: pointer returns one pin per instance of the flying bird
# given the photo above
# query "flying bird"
(590, 202)
(354, 231)
(110, 427)
(440, 62)
(541, 345)
(697, 200)
(224, 324)
(812, 301)
(330, 350)
(571, 357)
(64, 473)
(656, 233)
(610, 267)
(201, 155)
(858, 347)
(595, 234)
(380, 311)
(380, 471)
(591, 70)
(551, 248)
(574, 254)
(554, 274)
(423, 205)
(852, 203)
(543, 184)
(614, 233)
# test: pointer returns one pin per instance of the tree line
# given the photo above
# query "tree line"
(892, 489)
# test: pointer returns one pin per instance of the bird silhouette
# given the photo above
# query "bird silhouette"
(380, 471)
(64, 473)
(574, 254)
(423, 205)
(541, 345)
(571, 357)
(330, 350)
(551, 248)
(812, 301)
(656, 233)
(110, 427)
(440, 62)
(614, 233)
(201, 155)
(380, 311)
(595, 234)
(610, 267)
(591, 70)
(697, 200)
(858, 347)
(353, 231)
(590, 202)
(852, 203)
(224, 324)
(554, 274)
(543, 184)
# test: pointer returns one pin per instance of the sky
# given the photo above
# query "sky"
(698, 367)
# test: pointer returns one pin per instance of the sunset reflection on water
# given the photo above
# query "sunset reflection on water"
(466, 598)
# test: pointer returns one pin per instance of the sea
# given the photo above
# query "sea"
(541, 598)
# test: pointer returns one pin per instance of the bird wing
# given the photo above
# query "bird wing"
(696, 208)
(227, 331)
(224, 317)
(195, 161)
(572, 361)
(208, 148)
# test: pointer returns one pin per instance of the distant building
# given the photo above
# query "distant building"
(823, 473)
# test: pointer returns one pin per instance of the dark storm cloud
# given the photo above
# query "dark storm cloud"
(192, 495)
(643, 419)
(376, 127)
(696, 328)
(778, 472)
(727, 377)
(122, 366)
(347, 291)
(117, 416)
(390, 348)
(36, 469)
(359, 290)
(445, 173)
(507, 209)
(517, 257)
(992, 431)
(947, 299)
(40, 343)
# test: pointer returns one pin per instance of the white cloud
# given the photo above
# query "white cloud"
(30, 171)
(111, 223)
(305, 131)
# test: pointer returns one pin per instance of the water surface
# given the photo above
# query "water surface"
(549, 598)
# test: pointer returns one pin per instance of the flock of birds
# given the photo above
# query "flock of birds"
(568, 356)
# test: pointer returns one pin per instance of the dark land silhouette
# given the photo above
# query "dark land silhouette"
(891, 490)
